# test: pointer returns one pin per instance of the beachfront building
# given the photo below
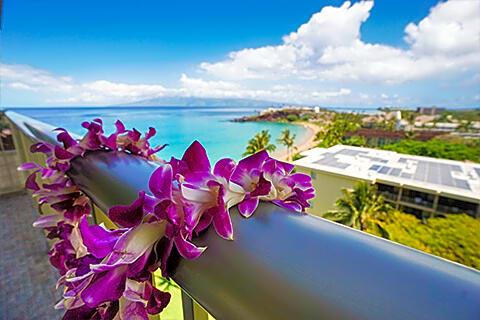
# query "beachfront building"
(433, 110)
(381, 137)
(421, 186)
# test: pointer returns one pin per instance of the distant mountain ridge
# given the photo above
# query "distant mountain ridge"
(202, 102)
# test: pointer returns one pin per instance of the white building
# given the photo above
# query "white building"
(418, 185)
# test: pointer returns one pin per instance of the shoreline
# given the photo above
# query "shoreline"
(304, 144)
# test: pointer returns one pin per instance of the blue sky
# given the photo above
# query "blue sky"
(331, 53)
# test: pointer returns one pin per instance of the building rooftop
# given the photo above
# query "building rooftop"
(439, 175)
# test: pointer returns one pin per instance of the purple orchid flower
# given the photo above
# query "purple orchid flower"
(167, 205)
(126, 256)
(209, 195)
(248, 174)
(291, 191)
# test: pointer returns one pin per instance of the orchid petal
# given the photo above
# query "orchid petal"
(187, 249)
(262, 188)
(62, 154)
(42, 147)
(245, 166)
(149, 203)
(247, 207)
(158, 300)
(157, 149)
(29, 166)
(65, 138)
(138, 266)
(100, 242)
(133, 244)
(302, 180)
(128, 216)
(107, 286)
(30, 182)
(151, 132)
(204, 222)
(130, 310)
(47, 221)
(160, 183)
(111, 142)
(196, 157)
(288, 205)
(120, 127)
(224, 168)
(223, 224)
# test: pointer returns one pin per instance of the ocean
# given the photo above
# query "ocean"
(176, 126)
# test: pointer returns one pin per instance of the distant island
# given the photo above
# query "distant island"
(202, 102)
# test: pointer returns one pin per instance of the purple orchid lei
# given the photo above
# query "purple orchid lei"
(107, 274)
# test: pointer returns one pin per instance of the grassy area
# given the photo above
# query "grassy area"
(174, 309)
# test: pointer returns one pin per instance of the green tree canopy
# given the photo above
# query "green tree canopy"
(436, 149)
(453, 236)
(261, 141)
(334, 132)
(361, 208)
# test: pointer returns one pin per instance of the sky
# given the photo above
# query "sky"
(327, 53)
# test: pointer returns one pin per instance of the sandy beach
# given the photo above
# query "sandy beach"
(304, 144)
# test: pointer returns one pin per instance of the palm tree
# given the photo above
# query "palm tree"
(361, 208)
(287, 140)
(334, 132)
(261, 141)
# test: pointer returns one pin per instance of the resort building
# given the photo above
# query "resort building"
(421, 186)
(380, 137)
(433, 110)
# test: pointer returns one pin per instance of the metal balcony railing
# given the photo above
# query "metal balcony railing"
(283, 265)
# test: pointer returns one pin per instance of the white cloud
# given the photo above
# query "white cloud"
(451, 28)
(324, 61)
(35, 78)
(328, 48)
(65, 90)
(21, 86)
(332, 94)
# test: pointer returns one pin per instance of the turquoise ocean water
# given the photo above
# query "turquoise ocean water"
(177, 126)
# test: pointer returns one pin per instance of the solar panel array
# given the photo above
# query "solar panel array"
(330, 160)
(477, 170)
(425, 171)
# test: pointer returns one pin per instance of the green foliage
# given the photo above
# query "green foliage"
(292, 117)
(355, 141)
(453, 237)
(297, 156)
(335, 131)
(436, 149)
(3, 122)
(409, 116)
(287, 140)
(261, 141)
(305, 117)
(468, 115)
(388, 125)
(361, 208)
(466, 126)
